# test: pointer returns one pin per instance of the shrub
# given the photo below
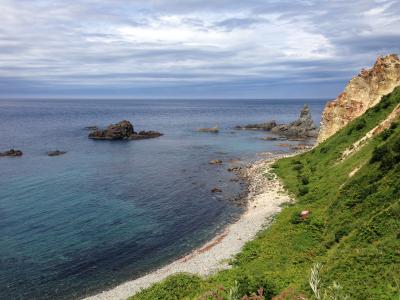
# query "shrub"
(387, 133)
(298, 167)
(360, 124)
(177, 286)
(341, 233)
(379, 153)
(388, 161)
(324, 149)
(303, 190)
(248, 283)
(295, 218)
(304, 180)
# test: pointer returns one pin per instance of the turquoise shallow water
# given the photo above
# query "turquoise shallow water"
(106, 212)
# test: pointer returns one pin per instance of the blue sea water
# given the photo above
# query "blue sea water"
(107, 212)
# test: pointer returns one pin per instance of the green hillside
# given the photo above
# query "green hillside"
(353, 228)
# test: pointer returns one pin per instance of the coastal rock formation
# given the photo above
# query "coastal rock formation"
(122, 131)
(362, 92)
(267, 126)
(303, 127)
(11, 153)
(56, 153)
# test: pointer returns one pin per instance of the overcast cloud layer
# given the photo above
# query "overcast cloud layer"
(191, 48)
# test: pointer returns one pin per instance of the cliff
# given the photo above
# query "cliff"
(362, 92)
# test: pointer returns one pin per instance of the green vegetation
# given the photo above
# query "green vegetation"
(353, 228)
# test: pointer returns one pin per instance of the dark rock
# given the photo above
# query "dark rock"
(122, 131)
(11, 153)
(303, 127)
(56, 153)
(145, 135)
(267, 126)
(234, 169)
(215, 162)
(216, 190)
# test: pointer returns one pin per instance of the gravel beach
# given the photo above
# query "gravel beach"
(264, 199)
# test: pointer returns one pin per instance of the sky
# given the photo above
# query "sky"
(191, 48)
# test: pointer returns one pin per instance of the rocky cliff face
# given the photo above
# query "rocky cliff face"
(362, 92)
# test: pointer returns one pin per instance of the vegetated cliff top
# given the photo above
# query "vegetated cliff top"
(362, 92)
(352, 226)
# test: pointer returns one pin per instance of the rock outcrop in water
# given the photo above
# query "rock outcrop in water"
(56, 153)
(267, 126)
(11, 153)
(303, 127)
(122, 131)
(362, 92)
(210, 129)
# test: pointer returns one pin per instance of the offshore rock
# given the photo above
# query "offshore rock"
(122, 131)
(215, 162)
(11, 153)
(211, 129)
(267, 126)
(362, 92)
(56, 153)
(303, 127)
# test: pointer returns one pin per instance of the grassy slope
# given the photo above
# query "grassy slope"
(353, 228)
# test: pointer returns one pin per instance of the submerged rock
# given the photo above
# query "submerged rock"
(122, 131)
(11, 153)
(56, 153)
(211, 129)
(215, 162)
(216, 190)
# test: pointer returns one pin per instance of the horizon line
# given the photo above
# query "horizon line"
(162, 98)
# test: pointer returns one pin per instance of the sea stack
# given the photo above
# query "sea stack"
(303, 127)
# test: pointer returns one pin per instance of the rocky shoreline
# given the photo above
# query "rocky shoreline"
(265, 197)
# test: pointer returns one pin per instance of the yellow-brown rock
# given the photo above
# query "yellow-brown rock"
(362, 92)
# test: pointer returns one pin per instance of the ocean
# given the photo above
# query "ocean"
(110, 211)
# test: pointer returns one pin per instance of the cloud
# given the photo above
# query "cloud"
(177, 47)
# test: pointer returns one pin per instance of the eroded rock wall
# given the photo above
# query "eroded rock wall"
(362, 92)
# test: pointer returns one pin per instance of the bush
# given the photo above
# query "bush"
(177, 286)
(387, 133)
(324, 149)
(298, 167)
(379, 153)
(360, 124)
(249, 283)
(295, 218)
(304, 180)
(341, 233)
(303, 190)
